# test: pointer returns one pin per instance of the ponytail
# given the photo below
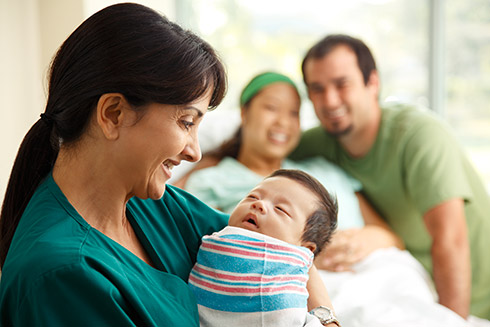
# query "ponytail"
(34, 161)
(125, 48)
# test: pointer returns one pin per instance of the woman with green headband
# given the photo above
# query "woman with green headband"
(270, 127)
(270, 130)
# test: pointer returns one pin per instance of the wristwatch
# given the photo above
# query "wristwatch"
(325, 315)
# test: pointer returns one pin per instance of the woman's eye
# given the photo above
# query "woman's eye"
(187, 124)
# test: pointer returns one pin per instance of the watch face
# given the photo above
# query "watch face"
(323, 313)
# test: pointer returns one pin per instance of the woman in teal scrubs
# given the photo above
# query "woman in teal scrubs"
(90, 233)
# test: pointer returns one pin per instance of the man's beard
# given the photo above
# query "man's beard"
(339, 133)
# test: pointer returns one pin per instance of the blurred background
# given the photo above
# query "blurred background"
(431, 52)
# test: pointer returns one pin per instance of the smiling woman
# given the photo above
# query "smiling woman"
(86, 205)
(173, 131)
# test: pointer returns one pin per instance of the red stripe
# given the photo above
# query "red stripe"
(257, 290)
(212, 273)
(269, 246)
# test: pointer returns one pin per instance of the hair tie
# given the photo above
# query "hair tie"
(260, 81)
(47, 119)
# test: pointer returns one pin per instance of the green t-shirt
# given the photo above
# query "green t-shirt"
(62, 272)
(415, 164)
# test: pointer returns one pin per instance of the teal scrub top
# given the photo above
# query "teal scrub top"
(60, 271)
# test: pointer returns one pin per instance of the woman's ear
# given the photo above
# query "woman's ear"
(310, 245)
(243, 113)
(111, 111)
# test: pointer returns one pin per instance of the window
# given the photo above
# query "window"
(256, 35)
(467, 78)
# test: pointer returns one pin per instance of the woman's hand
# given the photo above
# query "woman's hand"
(352, 245)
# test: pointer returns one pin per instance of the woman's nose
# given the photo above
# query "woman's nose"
(287, 120)
(192, 151)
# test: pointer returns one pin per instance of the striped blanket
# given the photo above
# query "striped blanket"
(243, 278)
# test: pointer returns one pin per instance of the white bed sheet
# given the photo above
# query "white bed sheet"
(390, 288)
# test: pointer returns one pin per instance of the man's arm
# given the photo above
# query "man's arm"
(372, 218)
(350, 246)
(450, 251)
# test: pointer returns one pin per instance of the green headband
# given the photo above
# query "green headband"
(261, 81)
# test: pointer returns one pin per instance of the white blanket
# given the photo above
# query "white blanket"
(243, 278)
(390, 288)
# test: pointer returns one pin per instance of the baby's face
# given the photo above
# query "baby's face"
(277, 207)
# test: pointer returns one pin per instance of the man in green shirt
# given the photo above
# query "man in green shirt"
(411, 166)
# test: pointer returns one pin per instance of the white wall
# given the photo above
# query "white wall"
(30, 33)
(21, 89)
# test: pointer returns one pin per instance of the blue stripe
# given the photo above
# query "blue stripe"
(251, 266)
(240, 237)
(248, 303)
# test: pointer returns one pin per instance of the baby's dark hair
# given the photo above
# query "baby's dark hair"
(322, 223)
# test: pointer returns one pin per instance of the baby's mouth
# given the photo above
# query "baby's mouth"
(251, 221)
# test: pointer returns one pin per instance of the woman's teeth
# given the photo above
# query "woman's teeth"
(169, 165)
(278, 137)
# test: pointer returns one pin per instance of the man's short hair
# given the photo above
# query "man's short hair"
(365, 58)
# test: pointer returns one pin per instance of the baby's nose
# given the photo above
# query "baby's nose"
(259, 206)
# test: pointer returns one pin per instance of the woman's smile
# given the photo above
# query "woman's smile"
(167, 166)
(278, 138)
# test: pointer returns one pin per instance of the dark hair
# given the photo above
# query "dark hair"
(365, 58)
(125, 48)
(322, 223)
(229, 148)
